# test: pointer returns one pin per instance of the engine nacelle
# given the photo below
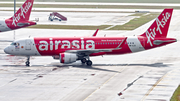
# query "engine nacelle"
(67, 57)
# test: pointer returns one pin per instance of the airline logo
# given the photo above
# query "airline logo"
(64, 44)
(22, 13)
(157, 29)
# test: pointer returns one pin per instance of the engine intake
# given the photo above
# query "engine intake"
(67, 57)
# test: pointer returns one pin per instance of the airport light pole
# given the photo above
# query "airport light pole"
(14, 6)
(14, 14)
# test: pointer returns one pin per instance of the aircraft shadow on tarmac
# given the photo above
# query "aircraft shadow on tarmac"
(148, 65)
(160, 64)
(78, 64)
(61, 66)
(93, 67)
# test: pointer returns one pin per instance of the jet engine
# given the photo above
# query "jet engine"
(67, 57)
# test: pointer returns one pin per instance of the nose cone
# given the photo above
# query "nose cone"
(6, 50)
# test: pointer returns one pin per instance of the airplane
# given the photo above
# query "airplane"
(71, 49)
(20, 19)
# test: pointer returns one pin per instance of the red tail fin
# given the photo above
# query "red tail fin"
(24, 11)
(160, 26)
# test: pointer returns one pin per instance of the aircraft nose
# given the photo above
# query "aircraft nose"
(6, 50)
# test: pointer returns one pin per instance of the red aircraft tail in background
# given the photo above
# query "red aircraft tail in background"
(24, 11)
(20, 18)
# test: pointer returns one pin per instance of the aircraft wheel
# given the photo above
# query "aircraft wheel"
(83, 60)
(27, 63)
(88, 62)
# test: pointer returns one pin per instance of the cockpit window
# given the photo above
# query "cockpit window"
(15, 44)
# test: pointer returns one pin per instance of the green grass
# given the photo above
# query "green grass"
(135, 23)
(176, 95)
(70, 27)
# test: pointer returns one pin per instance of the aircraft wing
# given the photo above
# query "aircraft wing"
(90, 51)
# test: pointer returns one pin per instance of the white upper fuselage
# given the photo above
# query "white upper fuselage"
(3, 26)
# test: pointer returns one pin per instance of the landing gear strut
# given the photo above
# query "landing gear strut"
(27, 62)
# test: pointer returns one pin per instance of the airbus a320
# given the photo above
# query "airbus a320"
(71, 49)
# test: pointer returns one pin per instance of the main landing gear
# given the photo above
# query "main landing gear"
(27, 62)
(88, 62)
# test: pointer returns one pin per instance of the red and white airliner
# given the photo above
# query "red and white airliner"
(20, 18)
(71, 49)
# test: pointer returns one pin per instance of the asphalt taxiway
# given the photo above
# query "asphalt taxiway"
(148, 75)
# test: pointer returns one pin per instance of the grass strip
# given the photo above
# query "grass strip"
(69, 27)
(135, 23)
(176, 95)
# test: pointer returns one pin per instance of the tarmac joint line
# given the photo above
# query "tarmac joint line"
(151, 89)
(105, 82)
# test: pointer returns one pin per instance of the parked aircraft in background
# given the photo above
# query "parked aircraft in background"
(71, 49)
(20, 18)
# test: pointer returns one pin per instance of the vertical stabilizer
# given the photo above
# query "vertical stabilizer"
(160, 26)
(24, 12)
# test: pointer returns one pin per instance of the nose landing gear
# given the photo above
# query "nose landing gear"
(27, 62)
